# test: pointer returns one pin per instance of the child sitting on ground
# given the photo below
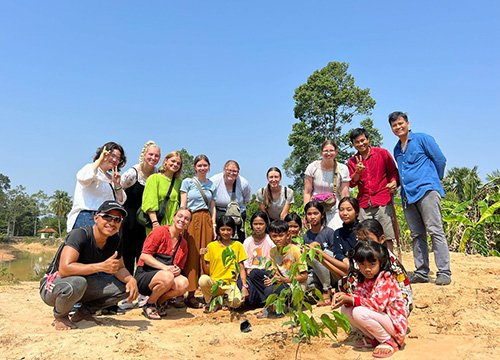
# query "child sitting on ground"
(371, 229)
(376, 307)
(283, 257)
(217, 270)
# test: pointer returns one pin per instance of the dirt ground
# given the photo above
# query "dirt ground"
(460, 321)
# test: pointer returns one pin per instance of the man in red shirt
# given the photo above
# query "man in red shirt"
(374, 172)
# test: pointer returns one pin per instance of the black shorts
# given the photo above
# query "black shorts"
(143, 279)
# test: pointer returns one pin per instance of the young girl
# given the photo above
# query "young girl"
(377, 307)
(321, 237)
(217, 270)
(274, 199)
(257, 247)
(371, 229)
(294, 227)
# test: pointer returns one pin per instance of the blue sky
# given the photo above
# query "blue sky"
(218, 77)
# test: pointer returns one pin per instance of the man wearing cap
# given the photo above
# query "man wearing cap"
(88, 269)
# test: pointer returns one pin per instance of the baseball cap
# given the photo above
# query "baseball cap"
(111, 205)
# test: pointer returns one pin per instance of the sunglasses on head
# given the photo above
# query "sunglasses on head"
(109, 217)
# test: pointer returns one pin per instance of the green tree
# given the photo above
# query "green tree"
(60, 206)
(461, 183)
(4, 188)
(187, 164)
(327, 102)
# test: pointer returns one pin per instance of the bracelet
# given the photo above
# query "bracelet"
(156, 221)
(118, 188)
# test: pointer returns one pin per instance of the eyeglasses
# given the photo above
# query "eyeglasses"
(329, 151)
(109, 218)
(115, 157)
(229, 171)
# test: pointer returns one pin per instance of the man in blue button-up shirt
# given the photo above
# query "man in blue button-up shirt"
(421, 167)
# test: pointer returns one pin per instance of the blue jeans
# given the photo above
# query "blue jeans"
(84, 218)
(95, 292)
(424, 217)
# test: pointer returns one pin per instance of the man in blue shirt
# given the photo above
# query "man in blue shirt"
(421, 167)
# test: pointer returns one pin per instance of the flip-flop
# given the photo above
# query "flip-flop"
(151, 312)
(389, 346)
(365, 343)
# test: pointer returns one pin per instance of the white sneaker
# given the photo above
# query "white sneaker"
(142, 300)
(126, 305)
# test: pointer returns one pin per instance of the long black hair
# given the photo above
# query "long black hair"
(370, 251)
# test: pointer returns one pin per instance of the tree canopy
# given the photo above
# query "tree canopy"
(327, 102)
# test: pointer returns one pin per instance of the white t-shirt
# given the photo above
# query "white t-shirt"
(276, 206)
(223, 196)
(323, 180)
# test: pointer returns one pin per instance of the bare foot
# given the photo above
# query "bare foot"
(63, 324)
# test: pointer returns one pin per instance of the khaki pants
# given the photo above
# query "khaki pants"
(233, 299)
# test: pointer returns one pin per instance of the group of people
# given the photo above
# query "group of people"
(147, 232)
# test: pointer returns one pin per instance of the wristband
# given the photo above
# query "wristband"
(156, 221)
(117, 188)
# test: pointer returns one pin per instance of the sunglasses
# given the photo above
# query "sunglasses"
(109, 218)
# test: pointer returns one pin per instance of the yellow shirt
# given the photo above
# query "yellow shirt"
(217, 269)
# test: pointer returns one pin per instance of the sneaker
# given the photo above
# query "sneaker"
(443, 280)
(142, 300)
(126, 305)
(416, 278)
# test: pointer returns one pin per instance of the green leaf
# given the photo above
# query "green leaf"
(280, 306)
(330, 324)
(271, 299)
(312, 254)
(319, 294)
(297, 295)
(489, 212)
(342, 321)
(307, 306)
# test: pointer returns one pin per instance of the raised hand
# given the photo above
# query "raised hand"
(116, 177)
(111, 265)
(360, 167)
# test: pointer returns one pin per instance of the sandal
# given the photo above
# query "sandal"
(151, 312)
(177, 302)
(365, 343)
(162, 309)
(193, 303)
(385, 350)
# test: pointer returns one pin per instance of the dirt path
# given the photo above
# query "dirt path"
(460, 321)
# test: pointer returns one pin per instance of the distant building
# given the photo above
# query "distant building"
(47, 232)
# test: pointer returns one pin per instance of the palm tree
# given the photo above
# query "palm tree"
(462, 183)
(60, 205)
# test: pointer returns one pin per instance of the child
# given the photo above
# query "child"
(371, 229)
(283, 257)
(214, 266)
(321, 237)
(258, 248)
(376, 307)
(294, 227)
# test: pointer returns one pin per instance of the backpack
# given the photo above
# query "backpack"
(233, 208)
